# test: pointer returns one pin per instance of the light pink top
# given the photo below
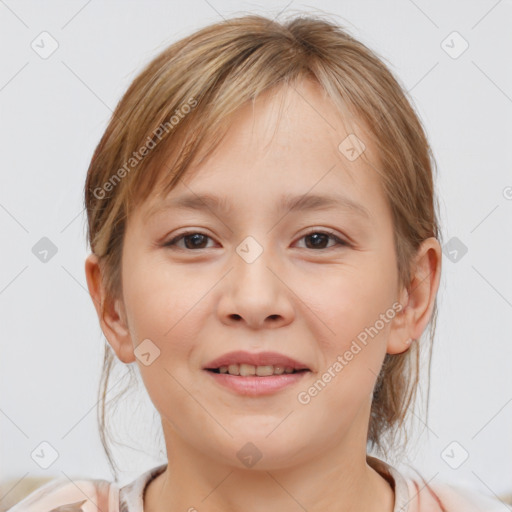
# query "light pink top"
(87, 495)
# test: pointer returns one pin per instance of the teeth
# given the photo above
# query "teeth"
(246, 370)
(233, 369)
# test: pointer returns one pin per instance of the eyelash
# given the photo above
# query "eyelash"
(332, 236)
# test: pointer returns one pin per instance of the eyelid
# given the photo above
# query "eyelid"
(341, 241)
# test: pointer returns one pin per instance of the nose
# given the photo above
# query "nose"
(255, 294)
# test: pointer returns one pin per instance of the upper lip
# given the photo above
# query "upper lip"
(256, 359)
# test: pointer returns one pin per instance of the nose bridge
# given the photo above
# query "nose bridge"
(251, 262)
(254, 293)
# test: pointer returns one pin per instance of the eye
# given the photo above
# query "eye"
(318, 239)
(192, 240)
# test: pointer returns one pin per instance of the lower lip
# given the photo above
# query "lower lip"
(256, 386)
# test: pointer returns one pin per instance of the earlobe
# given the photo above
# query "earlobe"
(419, 299)
(110, 312)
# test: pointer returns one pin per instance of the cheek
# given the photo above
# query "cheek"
(345, 315)
(347, 298)
(164, 306)
(161, 304)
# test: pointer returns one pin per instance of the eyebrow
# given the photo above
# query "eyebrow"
(287, 202)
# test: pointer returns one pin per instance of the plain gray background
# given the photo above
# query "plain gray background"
(53, 112)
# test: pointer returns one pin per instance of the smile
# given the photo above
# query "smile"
(246, 370)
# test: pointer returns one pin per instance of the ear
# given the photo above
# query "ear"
(418, 300)
(111, 312)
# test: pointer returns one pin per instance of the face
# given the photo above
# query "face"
(254, 274)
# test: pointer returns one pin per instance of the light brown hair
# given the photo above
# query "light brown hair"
(215, 71)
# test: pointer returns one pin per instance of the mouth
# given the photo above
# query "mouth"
(249, 370)
(253, 380)
(262, 364)
(255, 374)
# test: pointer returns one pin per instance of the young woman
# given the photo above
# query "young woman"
(265, 249)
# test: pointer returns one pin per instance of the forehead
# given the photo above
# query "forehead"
(291, 142)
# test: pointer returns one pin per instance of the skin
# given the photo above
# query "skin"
(304, 300)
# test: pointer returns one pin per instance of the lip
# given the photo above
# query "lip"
(256, 386)
(256, 359)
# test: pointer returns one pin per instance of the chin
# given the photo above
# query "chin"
(262, 449)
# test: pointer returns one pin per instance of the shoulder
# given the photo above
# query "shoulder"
(444, 496)
(64, 495)
(458, 497)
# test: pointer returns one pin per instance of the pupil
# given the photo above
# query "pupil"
(316, 237)
(195, 238)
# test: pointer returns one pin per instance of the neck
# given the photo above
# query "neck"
(327, 483)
